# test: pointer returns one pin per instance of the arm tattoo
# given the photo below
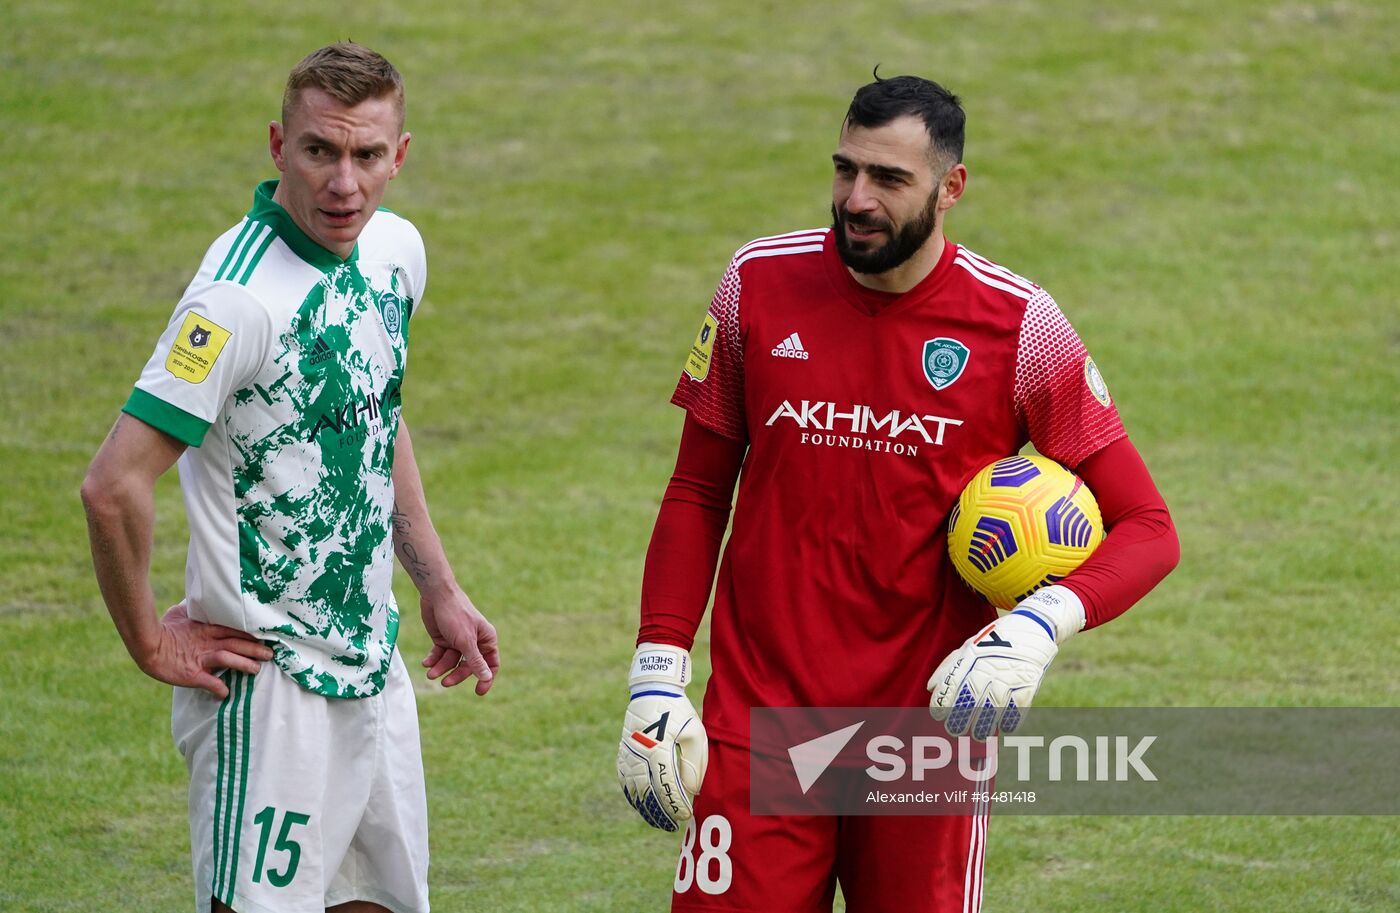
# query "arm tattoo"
(416, 566)
(412, 563)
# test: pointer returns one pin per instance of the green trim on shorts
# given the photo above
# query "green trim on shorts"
(219, 787)
(231, 784)
(242, 778)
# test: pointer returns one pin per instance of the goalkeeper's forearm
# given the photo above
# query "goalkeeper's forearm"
(685, 544)
(1142, 545)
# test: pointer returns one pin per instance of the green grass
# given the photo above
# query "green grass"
(1209, 189)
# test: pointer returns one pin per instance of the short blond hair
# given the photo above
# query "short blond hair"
(348, 72)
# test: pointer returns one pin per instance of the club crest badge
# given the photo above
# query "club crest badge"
(391, 308)
(944, 361)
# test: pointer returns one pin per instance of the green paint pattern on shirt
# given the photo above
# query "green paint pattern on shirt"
(314, 487)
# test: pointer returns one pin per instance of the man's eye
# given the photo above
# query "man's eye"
(314, 150)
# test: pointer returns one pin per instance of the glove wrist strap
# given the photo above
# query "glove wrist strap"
(1059, 606)
(660, 663)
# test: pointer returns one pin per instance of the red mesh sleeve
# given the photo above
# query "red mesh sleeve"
(711, 387)
(1060, 395)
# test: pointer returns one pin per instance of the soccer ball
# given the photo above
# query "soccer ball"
(1022, 523)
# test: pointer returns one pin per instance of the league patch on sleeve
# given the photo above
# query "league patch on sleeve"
(698, 364)
(196, 348)
(1095, 381)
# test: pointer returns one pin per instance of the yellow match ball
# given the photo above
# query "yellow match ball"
(1022, 523)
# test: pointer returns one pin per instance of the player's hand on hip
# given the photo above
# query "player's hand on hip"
(464, 642)
(663, 754)
(986, 685)
(189, 652)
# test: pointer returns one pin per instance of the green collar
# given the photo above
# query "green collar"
(267, 211)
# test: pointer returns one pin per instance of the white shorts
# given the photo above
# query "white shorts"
(299, 802)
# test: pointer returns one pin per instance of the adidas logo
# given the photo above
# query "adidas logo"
(791, 348)
(320, 351)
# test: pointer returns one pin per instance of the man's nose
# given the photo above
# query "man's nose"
(343, 179)
(861, 198)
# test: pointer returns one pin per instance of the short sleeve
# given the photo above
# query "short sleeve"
(711, 386)
(417, 257)
(214, 344)
(1061, 397)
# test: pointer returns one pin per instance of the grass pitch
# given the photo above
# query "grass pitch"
(1209, 190)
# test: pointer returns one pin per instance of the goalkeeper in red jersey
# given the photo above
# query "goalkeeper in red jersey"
(852, 379)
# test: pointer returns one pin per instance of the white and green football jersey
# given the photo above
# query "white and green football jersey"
(282, 368)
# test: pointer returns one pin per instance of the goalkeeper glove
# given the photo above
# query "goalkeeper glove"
(990, 681)
(661, 760)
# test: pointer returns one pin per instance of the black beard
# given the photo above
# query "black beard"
(902, 244)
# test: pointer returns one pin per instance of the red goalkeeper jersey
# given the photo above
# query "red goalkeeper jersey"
(865, 414)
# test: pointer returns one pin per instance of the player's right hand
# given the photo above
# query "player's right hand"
(663, 754)
(986, 685)
(189, 653)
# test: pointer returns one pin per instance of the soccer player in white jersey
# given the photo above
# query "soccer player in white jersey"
(277, 387)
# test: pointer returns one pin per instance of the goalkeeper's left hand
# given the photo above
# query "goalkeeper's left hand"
(990, 681)
(663, 754)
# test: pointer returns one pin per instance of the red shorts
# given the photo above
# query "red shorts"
(733, 861)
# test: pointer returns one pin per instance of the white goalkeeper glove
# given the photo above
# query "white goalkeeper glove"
(990, 681)
(661, 761)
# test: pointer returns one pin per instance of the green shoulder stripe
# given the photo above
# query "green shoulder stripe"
(234, 248)
(162, 416)
(257, 256)
(240, 253)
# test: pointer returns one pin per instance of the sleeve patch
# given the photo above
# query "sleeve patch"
(698, 364)
(1096, 383)
(195, 348)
